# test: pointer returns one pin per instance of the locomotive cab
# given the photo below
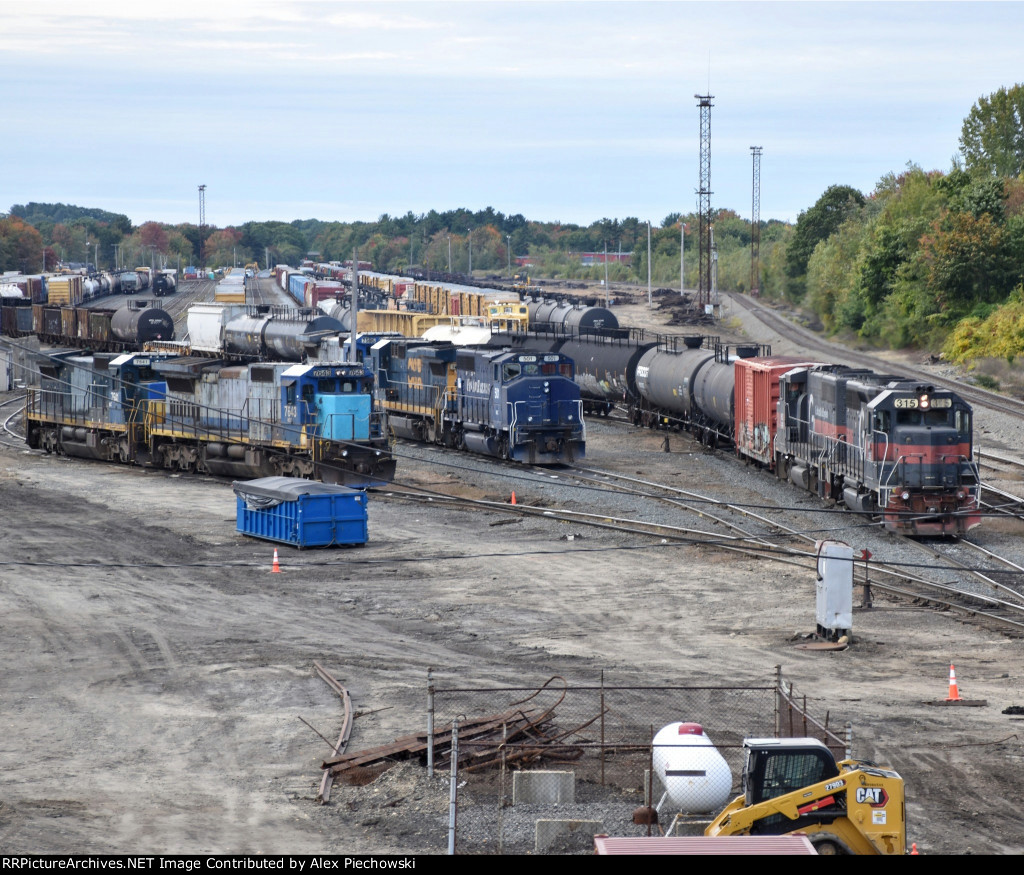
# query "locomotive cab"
(920, 440)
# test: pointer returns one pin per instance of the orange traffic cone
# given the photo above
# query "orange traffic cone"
(913, 850)
(954, 693)
(276, 568)
(513, 497)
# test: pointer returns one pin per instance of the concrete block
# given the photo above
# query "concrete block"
(543, 788)
(566, 835)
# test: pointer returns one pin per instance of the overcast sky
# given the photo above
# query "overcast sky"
(559, 111)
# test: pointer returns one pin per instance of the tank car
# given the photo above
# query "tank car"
(513, 405)
(139, 322)
(559, 315)
(279, 333)
(129, 282)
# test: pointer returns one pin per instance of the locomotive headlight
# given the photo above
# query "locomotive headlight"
(905, 495)
(344, 453)
(961, 495)
(923, 402)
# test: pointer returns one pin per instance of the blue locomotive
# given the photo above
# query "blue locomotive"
(196, 414)
(510, 404)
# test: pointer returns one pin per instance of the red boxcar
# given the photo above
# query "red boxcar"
(757, 403)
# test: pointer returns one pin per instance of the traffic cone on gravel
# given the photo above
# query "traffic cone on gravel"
(513, 501)
(954, 693)
(276, 569)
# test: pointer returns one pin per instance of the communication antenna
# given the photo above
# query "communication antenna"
(755, 225)
(704, 200)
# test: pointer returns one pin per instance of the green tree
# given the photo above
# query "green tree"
(992, 137)
(833, 208)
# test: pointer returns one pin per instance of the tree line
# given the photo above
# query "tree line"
(925, 258)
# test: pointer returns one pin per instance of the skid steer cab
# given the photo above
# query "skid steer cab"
(795, 785)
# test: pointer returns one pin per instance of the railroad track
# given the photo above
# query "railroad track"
(11, 434)
(954, 586)
(811, 341)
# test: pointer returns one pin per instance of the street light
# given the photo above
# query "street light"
(469, 231)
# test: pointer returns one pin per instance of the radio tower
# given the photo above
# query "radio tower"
(755, 226)
(202, 225)
(704, 200)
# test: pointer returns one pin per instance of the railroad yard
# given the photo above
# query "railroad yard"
(159, 693)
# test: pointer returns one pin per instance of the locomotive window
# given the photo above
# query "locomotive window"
(908, 417)
(530, 370)
(307, 392)
(549, 369)
(289, 396)
(883, 421)
(963, 422)
(565, 370)
(511, 371)
(936, 417)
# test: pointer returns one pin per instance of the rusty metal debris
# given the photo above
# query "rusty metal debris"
(519, 735)
(324, 794)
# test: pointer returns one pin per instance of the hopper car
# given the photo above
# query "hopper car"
(197, 414)
(509, 404)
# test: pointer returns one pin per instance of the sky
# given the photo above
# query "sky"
(564, 112)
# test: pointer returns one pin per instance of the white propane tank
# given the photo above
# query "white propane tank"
(696, 777)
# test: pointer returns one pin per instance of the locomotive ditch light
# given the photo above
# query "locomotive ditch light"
(905, 496)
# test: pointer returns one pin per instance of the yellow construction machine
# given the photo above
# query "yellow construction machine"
(795, 785)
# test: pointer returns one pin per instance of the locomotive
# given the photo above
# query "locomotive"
(198, 414)
(510, 404)
(880, 444)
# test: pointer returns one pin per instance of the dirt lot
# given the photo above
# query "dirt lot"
(155, 669)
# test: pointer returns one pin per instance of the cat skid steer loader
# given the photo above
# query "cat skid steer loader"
(795, 785)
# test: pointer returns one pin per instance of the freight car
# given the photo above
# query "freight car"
(194, 414)
(127, 328)
(880, 444)
(513, 405)
(877, 443)
(568, 317)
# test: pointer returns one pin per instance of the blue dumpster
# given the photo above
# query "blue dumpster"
(303, 513)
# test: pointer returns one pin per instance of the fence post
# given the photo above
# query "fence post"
(778, 701)
(453, 789)
(602, 727)
(849, 741)
(430, 723)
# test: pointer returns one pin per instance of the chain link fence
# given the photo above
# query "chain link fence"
(544, 768)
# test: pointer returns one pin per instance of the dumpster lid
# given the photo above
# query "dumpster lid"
(286, 488)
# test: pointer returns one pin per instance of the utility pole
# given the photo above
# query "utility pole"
(469, 231)
(202, 226)
(606, 273)
(755, 225)
(449, 254)
(508, 238)
(704, 200)
(650, 299)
